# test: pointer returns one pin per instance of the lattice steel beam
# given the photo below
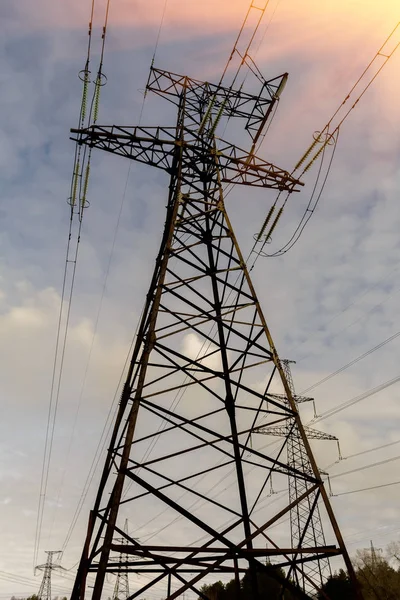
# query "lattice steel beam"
(202, 344)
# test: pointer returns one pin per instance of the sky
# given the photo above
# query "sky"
(332, 298)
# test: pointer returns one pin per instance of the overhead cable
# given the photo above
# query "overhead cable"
(352, 362)
(329, 133)
(355, 400)
(371, 450)
(365, 467)
(103, 438)
(52, 407)
(79, 181)
(367, 489)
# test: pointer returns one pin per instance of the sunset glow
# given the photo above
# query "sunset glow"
(331, 299)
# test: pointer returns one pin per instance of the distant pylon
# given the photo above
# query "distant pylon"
(121, 589)
(374, 557)
(47, 568)
(305, 519)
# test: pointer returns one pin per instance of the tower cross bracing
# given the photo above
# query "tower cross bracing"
(202, 378)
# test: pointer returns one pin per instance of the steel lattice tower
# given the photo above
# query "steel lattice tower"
(201, 375)
(121, 588)
(48, 567)
(305, 519)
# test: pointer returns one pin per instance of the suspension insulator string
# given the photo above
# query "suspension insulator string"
(85, 189)
(315, 410)
(96, 99)
(307, 153)
(275, 223)
(84, 95)
(271, 487)
(75, 184)
(217, 119)
(207, 114)
(329, 485)
(267, 220)
(317, 155)
(339, 450)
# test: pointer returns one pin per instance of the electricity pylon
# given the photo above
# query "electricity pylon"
(201, 376)
(121, 588)
(48, 567)
(305, 521)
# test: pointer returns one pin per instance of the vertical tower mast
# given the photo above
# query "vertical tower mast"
(121, 588)
(48, 567)
(201, 376)
(305, 523)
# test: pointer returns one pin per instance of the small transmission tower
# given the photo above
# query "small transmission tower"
(48, 567)
(201, 377)
(121, 588)
(305, 519)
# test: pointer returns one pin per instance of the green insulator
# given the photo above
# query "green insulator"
(315, 157)
(75, 184)
(275, 223)
(217, 119)
(96, 100)
(85, 187)
(207, 115)
(306, 154)
(267, 220)
(84, 96)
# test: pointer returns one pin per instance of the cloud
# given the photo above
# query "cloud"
(196, 349)
(327, 301)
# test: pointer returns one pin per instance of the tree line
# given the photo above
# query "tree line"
(378, 575)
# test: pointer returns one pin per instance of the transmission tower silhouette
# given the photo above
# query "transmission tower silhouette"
(121, 588)
(202, 380)
(305, 518)
(48, 567)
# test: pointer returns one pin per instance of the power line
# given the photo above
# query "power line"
(26, 581)
(368, 451)
(310, 208)
(159, 30)
(74, 180)
(103, 437)
(358, 319)
(325, 137)
(369, 289)
(352, 362)
(356, 399)
(365, 467)
(93, 336)
(244, 55)
(80, 175)
(198, 503)
(371, 450)
(373, 487)
(97, 455)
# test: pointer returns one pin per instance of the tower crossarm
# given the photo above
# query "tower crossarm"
(281, 431)
(296, 398)
(255, 109)
(315, 434)
(156, 146)
(153, 146)
(242, 168)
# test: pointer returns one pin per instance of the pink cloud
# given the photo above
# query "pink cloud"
(344, 17)
(333, 39)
